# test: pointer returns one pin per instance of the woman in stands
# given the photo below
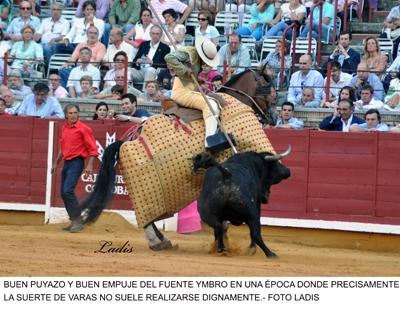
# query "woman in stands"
(151, 93)
(141, 31)
(79, 29)
(273, 60)
(372, 56)
(119, 65)
(206, 77)
(101, 111)
(262, 13)
(205, 29)
(26, 53)
(289, 13)
(176, 31)
(346, 93)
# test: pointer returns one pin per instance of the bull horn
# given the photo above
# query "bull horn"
(278, 156)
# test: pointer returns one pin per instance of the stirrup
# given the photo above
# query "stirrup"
(218, 142)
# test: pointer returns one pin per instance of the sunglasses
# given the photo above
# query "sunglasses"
(202, 19)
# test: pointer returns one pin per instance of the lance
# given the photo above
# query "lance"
(194, 79)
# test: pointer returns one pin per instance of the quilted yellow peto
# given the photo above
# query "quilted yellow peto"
(157, 168)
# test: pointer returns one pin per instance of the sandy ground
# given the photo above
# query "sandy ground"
(46, 250)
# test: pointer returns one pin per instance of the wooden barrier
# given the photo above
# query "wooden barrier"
(336, 177)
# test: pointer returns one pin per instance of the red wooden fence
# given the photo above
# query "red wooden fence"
(336, 176)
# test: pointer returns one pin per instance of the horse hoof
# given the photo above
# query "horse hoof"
(165, 245)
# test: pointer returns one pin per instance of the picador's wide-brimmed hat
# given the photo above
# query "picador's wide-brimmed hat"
(207, 51)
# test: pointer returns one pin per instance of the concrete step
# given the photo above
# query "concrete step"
(365, 27)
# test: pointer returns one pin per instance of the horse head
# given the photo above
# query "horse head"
(254, 88)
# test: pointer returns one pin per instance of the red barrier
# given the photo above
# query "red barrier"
(335, 176)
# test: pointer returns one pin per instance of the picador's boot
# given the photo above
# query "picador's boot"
(215, 140)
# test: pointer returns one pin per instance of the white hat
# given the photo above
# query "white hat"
(207, 51)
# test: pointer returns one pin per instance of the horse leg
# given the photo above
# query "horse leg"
(157, 241)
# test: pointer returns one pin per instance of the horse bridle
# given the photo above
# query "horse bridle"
(257, 94)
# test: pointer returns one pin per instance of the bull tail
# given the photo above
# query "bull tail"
(205, 160)
(104, 186)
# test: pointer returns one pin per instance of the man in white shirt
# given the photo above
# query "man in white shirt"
(338, 80)
(162, 5)
(85, 68)
(367, 99)
(372, 123)
(52, 31)
(117, 44)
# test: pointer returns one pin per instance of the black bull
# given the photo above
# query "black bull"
(234, 190)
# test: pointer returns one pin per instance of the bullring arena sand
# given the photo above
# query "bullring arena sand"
(29, 248)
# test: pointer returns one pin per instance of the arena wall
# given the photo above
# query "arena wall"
(339, 181)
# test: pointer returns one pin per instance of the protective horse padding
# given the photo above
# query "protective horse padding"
(164, 185)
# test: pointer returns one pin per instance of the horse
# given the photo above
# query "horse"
(157, 166)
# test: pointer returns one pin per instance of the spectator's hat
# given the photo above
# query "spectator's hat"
(207, 51)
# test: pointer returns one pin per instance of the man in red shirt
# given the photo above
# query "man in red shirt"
(77, 144)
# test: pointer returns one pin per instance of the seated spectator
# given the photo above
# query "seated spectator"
(3, 111)
(262, 12)
(130, 111)
(107, 92)
(375, 61)
(160, 6)
(338, 80)
(305, 77)
(164, 79)
(346, 93)
(342, 118)
(149, 57)
(11, 105)
(117, 44)
(372, 123)
(392, 28)
(102, 9)
(84, 68)
(151, 93)
(5, 10)
(101, 111)
(273, 60)
(392, 98)
(118, 65)
(26, 53)
(217, 83)
(141, 31)
(52, 30)
(40, 104)
(86, 83)
(176, 31)
(205, 28)
(286, 119)
(56, 90)
(98, 51)
(308, 98)
(367, 99)
(124, 14)
(79, 29)
(16, 84)
(236, 55)
(328, 22)
(347, 57)
(289, 13)
(206, 76)
(13, 31)
(364, 77)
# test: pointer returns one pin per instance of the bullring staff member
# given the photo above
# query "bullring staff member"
(77, 145)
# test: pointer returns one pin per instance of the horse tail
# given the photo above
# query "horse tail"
(103, 190)
(205, 161)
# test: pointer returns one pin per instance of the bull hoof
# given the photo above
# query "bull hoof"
(165, 245)
(271, 255)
